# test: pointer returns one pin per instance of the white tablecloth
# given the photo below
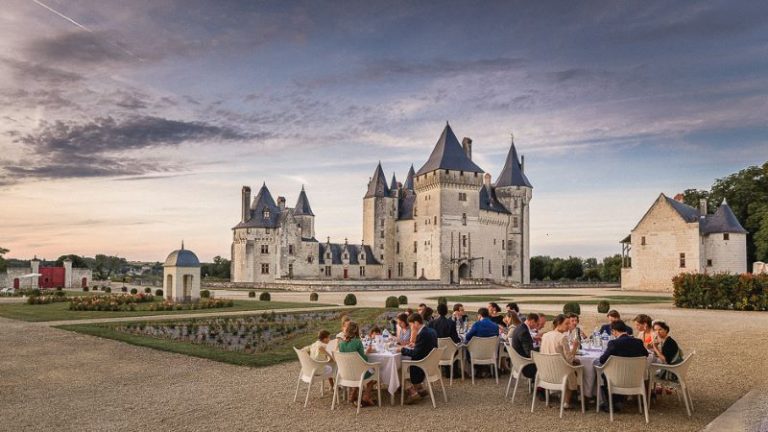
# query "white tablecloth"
(389, 369)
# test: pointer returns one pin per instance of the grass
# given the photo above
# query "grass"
(61, 312)
(613, 300)
(496, 297)
(281, 352)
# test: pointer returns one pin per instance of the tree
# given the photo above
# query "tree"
(3, 264)
(611, 268)
(105, 266)
(220, 268)
(77, 261)
(693, 197)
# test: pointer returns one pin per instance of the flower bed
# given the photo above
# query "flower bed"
(47, 299)
(202, 304)
(112, 302)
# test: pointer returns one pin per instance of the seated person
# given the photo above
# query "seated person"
(458, 315)
(318, 351)
(575, 332)
(522, 342)
(623, 345)
(352, 343)
(483, 327)
(375, 331)
(420, 309)
(426, 341)
(613, 316)
(644, 325)
(511, 321)
(427, 314)
(537, 332)
(495, 314)
(403, 332)
(444, 327)
(557, 342)
(666, 349)
(344, 321)
(512, 307)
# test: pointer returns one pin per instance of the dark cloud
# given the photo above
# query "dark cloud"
(131, 100)
(77, 47)
(36, 72)
(98, 148)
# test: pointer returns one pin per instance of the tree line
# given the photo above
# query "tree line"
(546, 268)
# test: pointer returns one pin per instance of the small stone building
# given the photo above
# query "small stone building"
(38, 275)
(181, 276)
(673, 238)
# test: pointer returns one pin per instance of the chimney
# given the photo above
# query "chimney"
(703, 206)
(281, 202)
(466, 143)
(522, 164)
(679, 197)
(246, 204)
(487, 179)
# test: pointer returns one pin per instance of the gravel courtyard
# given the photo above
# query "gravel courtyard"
(52, 379)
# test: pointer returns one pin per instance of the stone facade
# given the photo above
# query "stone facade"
(674, 238)
(446, 223)
(21, 277)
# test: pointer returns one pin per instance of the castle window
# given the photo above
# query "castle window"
(415, 211)
(461, 173)
(381, 233)
(642, 241)
(494, 241)
(503, 245)
(415, 269)
(446, 171)
(682, 260)
(414, 227)
(726, 236)
(290, 249)
(397, 247)
(345, 256)
(327, 255)
(362, 271)
(515, 222)
(709, 263)
(265, 269)
(463, 218)
(489, 267)
(462, 196)
(463, 241)
(309, 259)
(327, 270)
(381, 222)
(400, 269)
(515, 203)
(509, 270)
(290, 270)
(415, 246)
(266, 214)
(435, 220)
(265, 249)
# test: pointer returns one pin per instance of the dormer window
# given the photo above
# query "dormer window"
(265, 213)
(346, 256)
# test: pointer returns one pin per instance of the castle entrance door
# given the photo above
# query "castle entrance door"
(464, 272)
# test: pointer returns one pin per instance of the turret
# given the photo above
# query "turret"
(379, 217)
(303, 212)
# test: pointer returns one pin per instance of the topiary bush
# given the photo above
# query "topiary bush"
(107, 290)
(95, 288)
(60, 294)
(205, 294)
(159, 292)
(252, 294)
(572, 307)
(124, 289)
(403, 300)
(442, 300)
(134, 291)
(35, 292)
(85, 289)
(314, 297)
(147, 290)
(603, 306)
(350, 300)
(265, 296)
(392, 302)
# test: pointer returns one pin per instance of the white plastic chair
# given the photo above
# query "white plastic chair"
(450, 353)
(681, 371)
(518, 363)
(483, 351)
(350, 372)
(310, 371)
(624, 376)
(333, 345)
(431, 367)
(552, 373)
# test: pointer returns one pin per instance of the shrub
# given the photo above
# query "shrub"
(124, 289)
(159, 292)
(252, 294)
(314, 297)
(350, 300)
(85, 289)
(745, 292)
(148, 290)
(35, 292)
(95, 288)
(572, 307)
(392, 302)
(603, 306)
(60, 293)
(403, 300)
(205, 294)
(265, 296)
(134, 291)
(442, 300)
(107, 290)
(59, 288)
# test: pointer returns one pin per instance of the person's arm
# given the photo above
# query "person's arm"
(471, 333)
(360, 350)
(454, 334)
(669, 350)
(526, 342)
(608, 352)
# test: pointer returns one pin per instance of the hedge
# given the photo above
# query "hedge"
(572, 307)
(603, 306)
(265, 296)
(744, 292)
(391, 302)
(350, 300)
(314, 297)
(403, 300)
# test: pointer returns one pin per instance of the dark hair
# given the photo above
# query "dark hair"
(374, 329)
(353, 331)
(442, 309)
(558, 320)
(643, 319)
(408, 311)
(514, 307)
(422, 305)
(571, 315)
(512, 315)
(457, 307)
(613, 313)
(663, 325)
(416, 318)
(403, 317)
(495, 306)
(323, 334)
(483, 312)
(619, 326)
(427, 314)
(533, 316)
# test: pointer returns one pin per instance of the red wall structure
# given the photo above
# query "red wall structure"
(52, 277)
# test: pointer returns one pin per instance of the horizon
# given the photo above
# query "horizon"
(128, 128)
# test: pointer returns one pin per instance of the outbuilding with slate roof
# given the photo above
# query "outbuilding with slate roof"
(181, 276)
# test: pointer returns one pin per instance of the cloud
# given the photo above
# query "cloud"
(36, 72)
(77, 47)
(101, 147)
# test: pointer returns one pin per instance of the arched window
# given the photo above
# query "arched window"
(463, 218)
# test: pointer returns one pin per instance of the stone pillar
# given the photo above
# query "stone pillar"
(35, 267)
(67, 273)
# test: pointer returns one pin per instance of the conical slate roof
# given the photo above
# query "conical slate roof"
(393, 184)
(512, 173)
(488, 200)
(378, 185)
(302, 205)
(262, 202)
(448, 154)
(723, 221)
(409, 179)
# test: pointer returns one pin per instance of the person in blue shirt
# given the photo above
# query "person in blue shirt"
(614, 316)
(484, 327)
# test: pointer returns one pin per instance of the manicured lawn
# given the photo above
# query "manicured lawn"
(61, 312)
(282, 351)
(613, 300)
(474, 298)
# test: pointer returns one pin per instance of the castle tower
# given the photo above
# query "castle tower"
(303, 213)
(379, 216)
(515, 191)
(447, 196)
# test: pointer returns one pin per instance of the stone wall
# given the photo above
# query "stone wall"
(341, 286)
(727, 256)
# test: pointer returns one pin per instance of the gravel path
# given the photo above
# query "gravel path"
(52, 379)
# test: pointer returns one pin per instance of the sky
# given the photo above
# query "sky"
(127, 127)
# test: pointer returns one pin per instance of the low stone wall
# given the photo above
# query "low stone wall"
(341, 286)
